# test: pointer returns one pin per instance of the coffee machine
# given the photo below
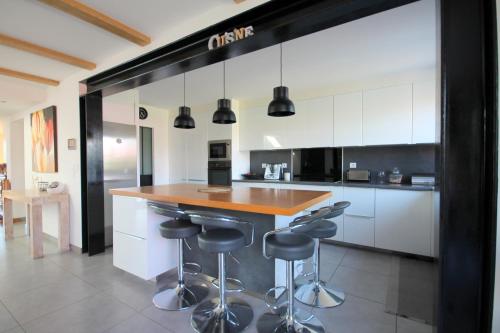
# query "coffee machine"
(273, 171)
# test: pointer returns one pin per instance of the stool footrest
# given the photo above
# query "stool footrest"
(232, 285)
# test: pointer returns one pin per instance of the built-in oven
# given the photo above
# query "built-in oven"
(219, 173)
(219, 150)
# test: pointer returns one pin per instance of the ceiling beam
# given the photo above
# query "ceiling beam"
(27, 76)
(99, 19)
(45, 52)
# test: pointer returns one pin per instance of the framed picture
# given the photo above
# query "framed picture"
(44, 140)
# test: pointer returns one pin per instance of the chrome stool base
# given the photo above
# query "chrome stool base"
(302, 323)
(211, 317)
(181, 297)
(316, 294)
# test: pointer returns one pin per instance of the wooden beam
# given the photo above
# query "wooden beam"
(44, 52)
(99, 19)
(29, 77)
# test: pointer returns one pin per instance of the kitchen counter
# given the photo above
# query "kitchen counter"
(408, 187)
(253, 200)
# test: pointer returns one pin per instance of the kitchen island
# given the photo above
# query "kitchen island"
(139, 249)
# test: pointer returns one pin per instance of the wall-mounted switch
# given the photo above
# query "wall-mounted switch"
(352, 165)
(284, 165)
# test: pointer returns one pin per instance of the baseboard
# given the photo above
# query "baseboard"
(72, 248)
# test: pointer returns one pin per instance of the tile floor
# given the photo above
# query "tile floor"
(76, 293)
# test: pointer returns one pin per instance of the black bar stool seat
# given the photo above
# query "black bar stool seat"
(290, 246)
(221, 240)
(179, 229)
(323, 229)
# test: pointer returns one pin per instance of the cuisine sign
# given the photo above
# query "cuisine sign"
(217, 41)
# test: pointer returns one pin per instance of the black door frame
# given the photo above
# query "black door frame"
(469, 129)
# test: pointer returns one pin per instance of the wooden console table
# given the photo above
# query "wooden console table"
(34, 200)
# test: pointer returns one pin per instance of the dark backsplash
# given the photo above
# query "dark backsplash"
(269, 156)
(410, 159)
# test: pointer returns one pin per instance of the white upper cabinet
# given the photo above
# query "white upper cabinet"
(348, 119)
(387, 115)
(311, 126)
(197, 147)
(424, 112)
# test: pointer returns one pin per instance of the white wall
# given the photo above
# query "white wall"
(15, 169)
(65, 98)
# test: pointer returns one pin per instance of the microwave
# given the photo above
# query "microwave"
(219, 150)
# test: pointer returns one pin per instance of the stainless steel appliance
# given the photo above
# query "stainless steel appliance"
(219, 150)
(358, 175)
(119, 146)
(423, 180)
(219, 173)
(273, 171)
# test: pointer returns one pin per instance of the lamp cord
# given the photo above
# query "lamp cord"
(224, 78)
(184, 89)
(281, 64)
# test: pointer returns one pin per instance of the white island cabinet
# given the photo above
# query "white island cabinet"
(138, 247)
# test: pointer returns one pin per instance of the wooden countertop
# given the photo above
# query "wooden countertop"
(254, 200)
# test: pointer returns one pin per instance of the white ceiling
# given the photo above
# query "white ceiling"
(41, 24)
(402, 39)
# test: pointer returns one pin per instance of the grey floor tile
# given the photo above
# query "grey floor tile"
(78, 263)
(102, 276)
(92, 315)
(409, 326)
(370, 286)
(132, 291)
(30, 276)
(332, 253)
(46, 299)
(357, 315)
(138, 323)
(7, 322)
(18, 329)
(372, 262)
(178, 322)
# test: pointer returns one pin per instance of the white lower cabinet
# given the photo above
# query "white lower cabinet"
(359, 230)
(404, 221)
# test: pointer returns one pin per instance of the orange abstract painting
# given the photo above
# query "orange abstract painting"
(44, 140)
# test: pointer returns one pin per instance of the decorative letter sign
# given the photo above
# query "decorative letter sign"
(217, 41)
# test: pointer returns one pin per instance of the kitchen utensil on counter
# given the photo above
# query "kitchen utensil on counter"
(358, 175)
(273, 171)
(381, 177)
(395, 177)
(419, 179)
(287, 176)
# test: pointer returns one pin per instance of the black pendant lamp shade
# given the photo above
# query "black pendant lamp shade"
(184, 119)
(224, 114)
(281, 105)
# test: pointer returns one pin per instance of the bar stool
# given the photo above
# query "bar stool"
(314, 292)
(221, 235)
(290, 246)
(187, 292)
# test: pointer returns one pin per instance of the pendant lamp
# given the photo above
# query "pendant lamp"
(281, 105)
(184, 119)
(224, 114)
